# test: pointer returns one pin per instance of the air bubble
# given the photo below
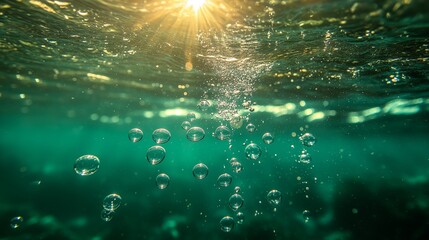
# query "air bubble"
(250, 127)
(239, 217)
(237, 189)
(306, 215)
(161, 135)
(86, 165)
(252, 151)
(236, 166)
(308, 139)
(226, 224)
(200, 171)
(155, 155)
(268, 138)
(274, 197)
(186, 125)
(135, 135)
(224, 180)
(195, 134)
(112, 201)
(305, 157)
(236, 201)
(162, 181)
(16, 222)
(106, 215)
(203, 105)
(222, 133)
(191, 116)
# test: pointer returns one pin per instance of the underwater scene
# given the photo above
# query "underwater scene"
(214, 119)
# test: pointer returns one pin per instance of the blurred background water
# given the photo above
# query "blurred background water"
(77, 76)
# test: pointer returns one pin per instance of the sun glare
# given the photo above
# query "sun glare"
(195, 4)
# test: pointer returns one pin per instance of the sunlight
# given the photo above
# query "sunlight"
(195, 4)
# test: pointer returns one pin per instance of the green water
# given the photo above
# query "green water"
(77, 76)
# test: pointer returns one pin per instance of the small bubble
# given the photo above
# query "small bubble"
(222, 133)
(307, 139)
(162, 181)
(191, 116)
(305, 157)
(16, 222)
(235, 201)
(252, 151)
(240, 217)
(200, 171)
(186, 125)
(106, 215)
(306, 215)
(155, 155)
(195, 134)
(86, 165)
(250, 127)
(268, 138)
(355, 211)
(203, 105)
(161, 135)
(224, 180)
(236, 167)
(274, 197)
(135, 135)
(226, 224)
(112, 201)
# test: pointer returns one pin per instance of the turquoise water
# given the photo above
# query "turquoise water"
(77, 76)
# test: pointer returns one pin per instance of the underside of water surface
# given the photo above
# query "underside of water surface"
(215, 119)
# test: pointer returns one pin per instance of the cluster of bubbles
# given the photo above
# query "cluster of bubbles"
(159, 136)
(110, 204)
(88, 164)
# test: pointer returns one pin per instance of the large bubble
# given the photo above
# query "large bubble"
(252, 151)
(274, 197)
(222, 133)
(155, 155)
(162, 181)
(307, 139)
(161, 135)
(200, 171)
(224, 180)
(268, 138)
(86, 165)
(195, 134)
(236, 201)
(226, 224)
(112, 201)
(16, 222)
(135, 135)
